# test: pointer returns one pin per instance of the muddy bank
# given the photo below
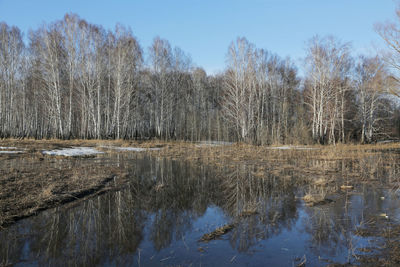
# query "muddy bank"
(14, 209)
(40, 183)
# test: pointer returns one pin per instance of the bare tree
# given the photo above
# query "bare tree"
(239, 88)
(327, 69)
(70, 29)
(160, 56)
(11, 58)
(370, 84)
(77, 80)
(390, 34)
(126, 59)
(46, 44)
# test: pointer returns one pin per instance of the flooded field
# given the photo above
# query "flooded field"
(144, 207)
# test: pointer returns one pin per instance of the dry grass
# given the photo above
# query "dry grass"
(217, 233)
(320, 181)
(31, 182)
(308, 198)
(38, 182)
(387, 249)
(243, 152)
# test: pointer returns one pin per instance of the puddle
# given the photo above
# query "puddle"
(247, 220)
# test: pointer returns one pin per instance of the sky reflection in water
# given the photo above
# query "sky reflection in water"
(167, 206)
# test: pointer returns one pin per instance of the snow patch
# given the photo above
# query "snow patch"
(8, 147)
(280, 147)
(74, 151)
(387, 141)
(212, 143)
(11, 151)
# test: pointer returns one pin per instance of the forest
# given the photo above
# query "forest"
(74, 79)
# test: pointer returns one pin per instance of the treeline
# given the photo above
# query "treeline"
(78, 80)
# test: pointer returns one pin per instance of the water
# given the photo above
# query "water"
(166, 207)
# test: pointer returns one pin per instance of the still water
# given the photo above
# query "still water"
(165, 208)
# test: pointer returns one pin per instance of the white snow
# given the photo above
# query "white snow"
(74, 151)
(8, 147)
(280, 147)
(212, 143)
(11, 152)
(387, 141)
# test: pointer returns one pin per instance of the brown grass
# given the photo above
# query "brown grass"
(387, 249)
(32, 181)
(217, 233)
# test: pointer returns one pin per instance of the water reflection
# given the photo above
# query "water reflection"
(159, 216)
(260, 207)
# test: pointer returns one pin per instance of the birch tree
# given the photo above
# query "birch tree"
(46, 44)
(160, 57)
(11, 58)
(239, 88)
(70, 30)
(78, 80)
(390, 34)
(327, 70)
(371, 85)
(126, 60)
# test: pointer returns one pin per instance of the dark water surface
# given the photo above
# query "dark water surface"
(167, 206)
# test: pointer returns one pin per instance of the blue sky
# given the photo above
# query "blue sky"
(204, 28)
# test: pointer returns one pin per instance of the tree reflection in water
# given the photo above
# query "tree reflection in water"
(260, 207)
(164, 199)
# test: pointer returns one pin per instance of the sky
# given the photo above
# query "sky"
(205, 28)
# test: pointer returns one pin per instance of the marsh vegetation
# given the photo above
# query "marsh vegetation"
(186, 204)
(141, 157)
